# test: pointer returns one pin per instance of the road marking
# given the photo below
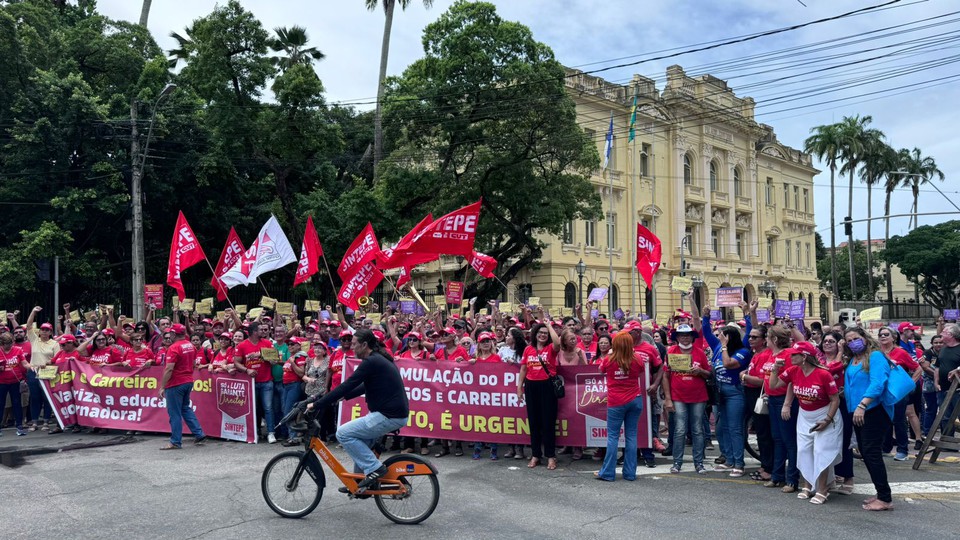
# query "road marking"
(912, 488)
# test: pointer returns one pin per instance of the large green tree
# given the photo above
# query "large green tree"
(860, 267)
(484, 114)
(930, 257)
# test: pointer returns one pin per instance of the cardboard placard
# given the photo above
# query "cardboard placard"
(597, 294)
(505, 307)
(439, 300)
(375, 317)
(408, 306)
(3, 316)
(74, 316)
(566, 312)
(680, 363)
(204, 308)
(765, 302)
(312, 305)
(284, 308)
(48, 373)
(715, 315)
(533, 301)
(241, 309)
(454, 292)
(175, 302)
(89, 315)
(267, 302)
(950, 314)
(221, 315)
(681, 284)
(270, 355)
(872, 314)
(763, 315)
(188, 304)
(254, 313)
(324, 315)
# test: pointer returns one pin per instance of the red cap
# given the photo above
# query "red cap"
(632, 325)
(125, 325)
(46, 326)
(906, 325)
(334, 323)
(178, 329)
(227, 335)
(321, 344)
(683, 314)
(67, 338)
(448, 331)
(804, 347)
(110, 332)
(345, 333)
(297, 339)
(379, 335)
(207, 321)
(485, 336)
(415, 335)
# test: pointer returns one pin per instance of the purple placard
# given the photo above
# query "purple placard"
(594, 313)
(408, 306)
(729, 296)
(715, 315)
(763, 315)
(895, 326)
(644, 317)
(798, 308)
(794, 309)
(618, 314)
(421, 311)
(951, 314)
(348, 311)
(325, 315)
(597, 294)
(780, 308)
(393, 304)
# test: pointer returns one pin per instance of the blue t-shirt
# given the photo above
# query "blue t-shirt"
(743, 356)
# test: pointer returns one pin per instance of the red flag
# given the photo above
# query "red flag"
(483, 264)
(398, 256)
(364, 249)
(310, 253)
(649, 254)
(404, 277)
(185, 251)
(364, 280)
(232, 251)
(453, 234)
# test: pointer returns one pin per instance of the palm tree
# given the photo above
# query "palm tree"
(894, 179)
(145, 12)
(878, 159)
(921, 169)
(852, 140)
(293, 42)
(388, 8)
(825, 144)
(185, 47)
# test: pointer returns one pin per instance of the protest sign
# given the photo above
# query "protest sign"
(311, 305)
(408, 306)
(480, 403)
(729, 296)
(597, 294)
(115, 397)
(187, 304)
(241, 309)
(285, 308)
(618, 314)
(872, 314)
(153, 296)
(681, 284)
(790, 308)
(763, 315)
(951, 314)
(533, 301)
(715, 315)
(267, 302)
(765, 302)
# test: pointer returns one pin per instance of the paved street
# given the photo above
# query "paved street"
(135, 491)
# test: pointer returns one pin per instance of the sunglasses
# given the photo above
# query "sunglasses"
(413, 339)
(885, 335)
(753, 337)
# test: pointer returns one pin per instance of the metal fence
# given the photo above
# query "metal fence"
(894, 311)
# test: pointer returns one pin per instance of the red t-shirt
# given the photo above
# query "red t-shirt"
(767, 368)
(622, 388)
(532, 358)
(336, 366)
(204, 356)
(408, 355)
(249, 354)
(161, 357)
(902, 358)
(11, 366)
(290, 376)
(104, 356)
(684, 386)
(138, 359)
(648, 354)
(837, 369)
(63, 357)
(813, 391)
(590, 352)
(122, 346)
(492, 359)
(458, 355)
(756, 365)
(223, 358)
(182, 355)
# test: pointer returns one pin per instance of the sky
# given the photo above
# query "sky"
(900, 76)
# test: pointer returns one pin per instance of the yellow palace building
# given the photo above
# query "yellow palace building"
(723, 195)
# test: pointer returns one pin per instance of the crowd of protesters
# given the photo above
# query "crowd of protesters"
(806, 391)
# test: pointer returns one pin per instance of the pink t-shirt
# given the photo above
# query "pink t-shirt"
(532, 358)
(813, 391)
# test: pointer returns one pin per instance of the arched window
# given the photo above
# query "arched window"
(714, 177)
(590, 288)
(790, 296)
(737, 182)
(687, 170)
(614, 298)
(569, 295)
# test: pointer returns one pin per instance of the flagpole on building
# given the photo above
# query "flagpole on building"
(634, 287)
(653, 216)
(609, 217)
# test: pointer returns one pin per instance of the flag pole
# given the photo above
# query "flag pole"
(329, 275)
(214, 272)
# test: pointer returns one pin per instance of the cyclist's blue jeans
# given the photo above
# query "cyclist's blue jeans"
(357, 436)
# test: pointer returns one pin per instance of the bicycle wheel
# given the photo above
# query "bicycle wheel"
(420, 500)
(289, 502)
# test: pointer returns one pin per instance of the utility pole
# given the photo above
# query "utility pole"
(136, 195)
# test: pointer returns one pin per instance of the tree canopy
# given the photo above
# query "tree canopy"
(930, 257)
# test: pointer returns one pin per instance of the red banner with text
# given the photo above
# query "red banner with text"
(117, 397)
(479, 402)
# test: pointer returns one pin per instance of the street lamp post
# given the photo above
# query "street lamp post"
(581, 269)
(684, 245)
(136, 195)
(696, 282)
(767, 288)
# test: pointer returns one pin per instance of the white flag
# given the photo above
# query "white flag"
(271, 250)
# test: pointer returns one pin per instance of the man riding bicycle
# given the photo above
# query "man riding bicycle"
(378, 378)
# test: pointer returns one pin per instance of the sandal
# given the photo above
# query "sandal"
(789, 488)
(442, 452)
(819, 498)
(170, 447)
(773, 484)
(424, 451)
(736, 473)
(804, 493)
(878, 506)
(845, 489)
(551, 464)
(577, 454)
(869, 500)
(534, 462)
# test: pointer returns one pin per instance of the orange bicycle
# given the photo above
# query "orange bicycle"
(407, 494)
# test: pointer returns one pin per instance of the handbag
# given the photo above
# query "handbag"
(899, 385)
(761, 406)
(558, 389)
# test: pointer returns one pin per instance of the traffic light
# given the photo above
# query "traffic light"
(847, 226)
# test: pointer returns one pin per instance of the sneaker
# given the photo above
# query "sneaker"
(650, 463)
(900, 456)
(373, 478)
(723, 467)
(702, 470)
(918, 445)
(675, 469)
(271, 438)
(493, 455)
(21, 432)
(658, 445)
(720, 460)
(200, 441)
(476, 454)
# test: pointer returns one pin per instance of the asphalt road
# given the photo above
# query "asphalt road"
(135, 491)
